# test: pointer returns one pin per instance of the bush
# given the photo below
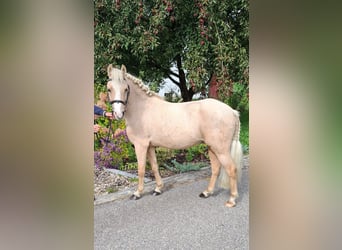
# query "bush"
(164, 155)
(197, 152)
(244, 132)
(114, 153)
(185, 166)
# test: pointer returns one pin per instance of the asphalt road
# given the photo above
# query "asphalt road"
(177, 219)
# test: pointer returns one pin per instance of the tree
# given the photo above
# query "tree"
(204, 40)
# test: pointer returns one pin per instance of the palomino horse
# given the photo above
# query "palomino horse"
(152, 122)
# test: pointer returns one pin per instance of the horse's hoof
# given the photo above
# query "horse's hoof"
(203, 195)
(230, 204)
(134, 197)
(155, 193)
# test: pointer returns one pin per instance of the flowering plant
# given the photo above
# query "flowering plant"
(115, 152)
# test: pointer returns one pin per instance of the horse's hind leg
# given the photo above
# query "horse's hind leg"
(151, 155)
(141, 157)
(215, 168)
(231, 169)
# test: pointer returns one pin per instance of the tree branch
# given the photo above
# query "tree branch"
(173, 80)
(211, 76)
(173, 73)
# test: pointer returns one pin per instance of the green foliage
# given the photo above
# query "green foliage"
(224, 42)
(114, 153)
(129, 166)
(244, 132)
(98, 87)
(185, 166)
(199, 151)
(112, 190)
(133, 179)
(103, 133)
(235, 95)
(200, 37)
(164, 155)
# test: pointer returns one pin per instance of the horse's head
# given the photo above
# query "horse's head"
(118, 90)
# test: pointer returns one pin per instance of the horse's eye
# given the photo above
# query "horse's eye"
(108, 90)
(126, 90)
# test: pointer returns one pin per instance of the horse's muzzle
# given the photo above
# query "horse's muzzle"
(119, 116)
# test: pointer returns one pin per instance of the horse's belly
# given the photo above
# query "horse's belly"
(176, 142)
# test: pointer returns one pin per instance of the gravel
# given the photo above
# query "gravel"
(106, 182)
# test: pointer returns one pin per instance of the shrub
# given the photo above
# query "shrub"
(114, 153)
(244, 132)
(185, 166)
(164, 155)
(197, 152)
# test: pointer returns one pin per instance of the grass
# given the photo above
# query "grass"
(111, 190)
(133, 179)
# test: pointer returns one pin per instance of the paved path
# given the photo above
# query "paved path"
(177, 219)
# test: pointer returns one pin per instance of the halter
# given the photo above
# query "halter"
(120, 101)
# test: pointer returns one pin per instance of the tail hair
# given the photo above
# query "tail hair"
(236, 153)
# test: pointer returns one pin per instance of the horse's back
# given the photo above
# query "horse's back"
(212, 109)
(203, 114)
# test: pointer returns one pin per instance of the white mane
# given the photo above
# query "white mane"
(141, 85)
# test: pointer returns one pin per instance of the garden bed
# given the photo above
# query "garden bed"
(107, 182)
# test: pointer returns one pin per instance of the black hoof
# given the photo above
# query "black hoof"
(202, 195)
(134, 197)
(155, 193)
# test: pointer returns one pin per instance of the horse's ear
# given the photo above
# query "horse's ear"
(124, 71)
(109, 70)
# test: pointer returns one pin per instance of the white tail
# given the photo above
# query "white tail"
(236, 153)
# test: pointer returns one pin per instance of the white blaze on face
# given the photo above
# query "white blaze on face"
(118, 107)
(116, 89)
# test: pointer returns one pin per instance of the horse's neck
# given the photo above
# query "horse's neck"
(137, 102)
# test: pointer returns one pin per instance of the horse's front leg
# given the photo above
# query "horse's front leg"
(140, 152)
(151, 155)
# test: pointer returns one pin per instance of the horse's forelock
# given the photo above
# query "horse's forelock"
(116, 75)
